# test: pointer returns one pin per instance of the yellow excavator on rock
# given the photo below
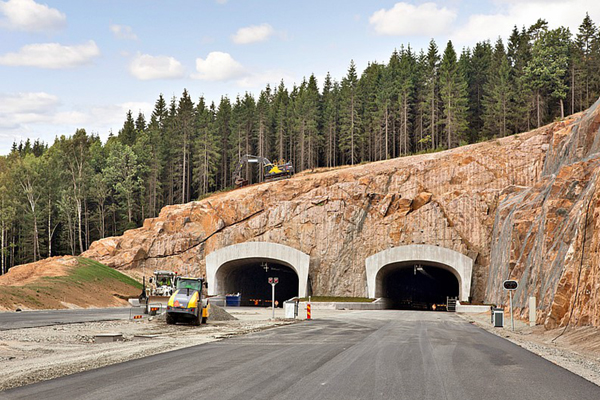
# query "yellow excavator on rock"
(270, 171)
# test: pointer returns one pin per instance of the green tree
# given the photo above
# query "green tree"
(185, 126)
(207, 155)
(546, 71)
(497, 94)
(519, 54)
(587, 61)
(453, 92)
(281, 121)
(121, 173)
(128, 133)
(431, 101)
(75, 156)
(349, 117)
(478, 75)
(330, 117)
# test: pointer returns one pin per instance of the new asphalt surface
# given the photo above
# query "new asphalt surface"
(356, 355)
(32, 319)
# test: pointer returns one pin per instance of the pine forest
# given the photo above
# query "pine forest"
(58, 198)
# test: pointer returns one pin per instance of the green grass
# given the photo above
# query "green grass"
(331, 299)
(92, 271)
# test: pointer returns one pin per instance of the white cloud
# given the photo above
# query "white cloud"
(261, 79)
(123, 32)
(407, 19)
(218, 66)
(29, 16)
(19, 110)
(52, 55)
(525, 13)
(253, 34)
(147, 67)
(15, 103)
(39, 115)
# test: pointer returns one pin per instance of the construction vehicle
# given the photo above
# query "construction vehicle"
(270, 171)
(162, 286)
(187, 303)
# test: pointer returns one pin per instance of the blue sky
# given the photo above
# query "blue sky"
(68, 64)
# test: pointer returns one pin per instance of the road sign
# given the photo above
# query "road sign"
(273, 281)
(510, 285)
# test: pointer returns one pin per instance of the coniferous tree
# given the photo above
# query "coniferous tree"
(587, 62)
(546, 71)
(431, 99)
(478, 75)
(349, 119)
(453, 93)
(223, 131)
(128, 132)
(281, 121)
(206, 153)
(519, 54)
(406, 86)
(498, 95)
(185, 126)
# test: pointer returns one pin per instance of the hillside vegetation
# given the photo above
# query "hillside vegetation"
(65, 283)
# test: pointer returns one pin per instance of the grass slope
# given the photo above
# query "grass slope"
(88, 284)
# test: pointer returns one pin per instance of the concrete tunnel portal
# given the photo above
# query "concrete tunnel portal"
(416, 286)
(249, 277)
(418, 276)
(245, 268)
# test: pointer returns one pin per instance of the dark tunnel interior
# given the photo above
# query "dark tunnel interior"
(418, 287)
(250, 279)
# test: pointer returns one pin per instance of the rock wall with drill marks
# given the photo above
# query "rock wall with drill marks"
(515, 205)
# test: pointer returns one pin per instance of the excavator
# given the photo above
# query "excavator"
(270, 171)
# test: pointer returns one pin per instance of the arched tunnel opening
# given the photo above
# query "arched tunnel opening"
(417, 286)
(250, 278)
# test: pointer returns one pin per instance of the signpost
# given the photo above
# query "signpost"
(511, 286)
(273, 281)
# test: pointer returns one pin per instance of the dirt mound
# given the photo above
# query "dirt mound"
(219, 314)
(22, 275)
(65, 282)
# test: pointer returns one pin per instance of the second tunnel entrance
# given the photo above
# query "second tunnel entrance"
(417, 286)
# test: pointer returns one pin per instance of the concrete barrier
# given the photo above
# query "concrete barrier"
(469, 308)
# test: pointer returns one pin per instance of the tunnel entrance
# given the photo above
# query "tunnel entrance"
(417, 286)
(249, 278)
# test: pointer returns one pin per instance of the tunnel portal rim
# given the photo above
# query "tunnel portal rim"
(277, 253)
(384, 273)
(457, 263)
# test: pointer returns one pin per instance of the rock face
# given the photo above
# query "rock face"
(524, 207)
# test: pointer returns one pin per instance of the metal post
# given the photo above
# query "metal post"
(512, 321)
(273, 299)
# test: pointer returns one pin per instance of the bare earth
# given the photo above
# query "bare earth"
(37, 354)
(577, 350)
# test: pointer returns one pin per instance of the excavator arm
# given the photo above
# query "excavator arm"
(248, 159)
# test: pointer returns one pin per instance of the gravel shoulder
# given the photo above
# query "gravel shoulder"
(35, 354)
(576, 350)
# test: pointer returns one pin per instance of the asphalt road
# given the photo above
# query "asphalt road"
(32, 319)
(363, 355)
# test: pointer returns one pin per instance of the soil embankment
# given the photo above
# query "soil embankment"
(65, 282)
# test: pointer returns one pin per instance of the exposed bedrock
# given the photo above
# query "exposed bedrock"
(525, 207)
